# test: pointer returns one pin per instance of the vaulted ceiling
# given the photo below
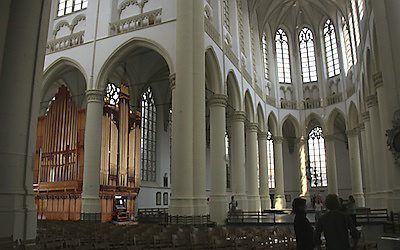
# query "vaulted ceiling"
(293, 13)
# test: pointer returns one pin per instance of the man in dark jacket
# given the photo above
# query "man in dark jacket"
(336, 226)
(302, 227)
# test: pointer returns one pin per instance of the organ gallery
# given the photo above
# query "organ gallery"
(58, 170)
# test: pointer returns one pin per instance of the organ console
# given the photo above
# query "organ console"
(58, 170)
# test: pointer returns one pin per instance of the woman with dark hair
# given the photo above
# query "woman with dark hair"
(336, 226)
(302, 227)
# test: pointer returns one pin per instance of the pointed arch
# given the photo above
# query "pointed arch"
(249, 106)
(334, 114)
(233, 91)
(213, 72)
(260, 118)
(353, 119)
(296, 125)
(273, 124)
(313, 120)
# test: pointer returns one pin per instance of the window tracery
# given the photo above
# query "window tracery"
(270, 157)
(265, 56)
(331, 49)
(282, 56)
(317, 160)
(307, 56)
(148, 136)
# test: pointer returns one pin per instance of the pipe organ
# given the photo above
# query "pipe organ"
(58, 170)
(120, 165)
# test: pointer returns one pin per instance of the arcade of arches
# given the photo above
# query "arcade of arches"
(263, 100)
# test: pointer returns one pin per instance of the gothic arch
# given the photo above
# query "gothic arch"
(313, 120)
(334, 114)
(273, 124)
(233, 91)
(260, 118)
(290, 118)
(123, 51)
(213, 72)
(353, 120)
(249, 107)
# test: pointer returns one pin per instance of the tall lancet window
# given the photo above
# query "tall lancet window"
(265, 55)
(228, 161)
(331, 49)
(347, 43)
(282, 56)
(361, 8)
(307, 56)
(270, 158)
(355, 21)
(148, 136)
(316, 156)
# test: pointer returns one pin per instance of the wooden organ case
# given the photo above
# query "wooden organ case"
(120, 157)
(58, 170)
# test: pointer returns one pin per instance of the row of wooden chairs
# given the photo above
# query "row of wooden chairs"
(79, 235)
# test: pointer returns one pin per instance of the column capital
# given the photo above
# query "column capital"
(252, 127)
(262, 136)
(353, 132)
(238, 116)
(372, 101)
(278, 139)
(172, 81)
(218, 100)
(365, 116)
(94, 95)
(378, 79)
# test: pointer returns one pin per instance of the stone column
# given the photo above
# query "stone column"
(280, 200)
(253, 195)
(218, 200)
(302, 158)
(386, 20)
(380, 171)
(188, 116)
(23, 32)
(366, 165)
(371, 202)
(238, 159)
(331, 164)
(199, 109)
(263, 176)
(91, 208)
(355, 167)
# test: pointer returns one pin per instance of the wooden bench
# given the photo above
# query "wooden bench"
(392, 225)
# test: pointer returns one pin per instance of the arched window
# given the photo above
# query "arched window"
(316, 155)
(265, 56)
(228, 160)
(68, 6)
(282, 56)
(307, 56)
(148, 136)
(158, 198)
(331, 50)
(347, 43)
(112, 94)
(355, 21)
(270, 157)
(361, 8)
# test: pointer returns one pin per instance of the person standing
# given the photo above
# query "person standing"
(302, 227)
(336, 226)
(318, 209)
(351, 209)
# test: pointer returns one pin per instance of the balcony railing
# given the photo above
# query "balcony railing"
(65, 42)
(335, 98)
(312, 103)
(137, 22)
(285, 104)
